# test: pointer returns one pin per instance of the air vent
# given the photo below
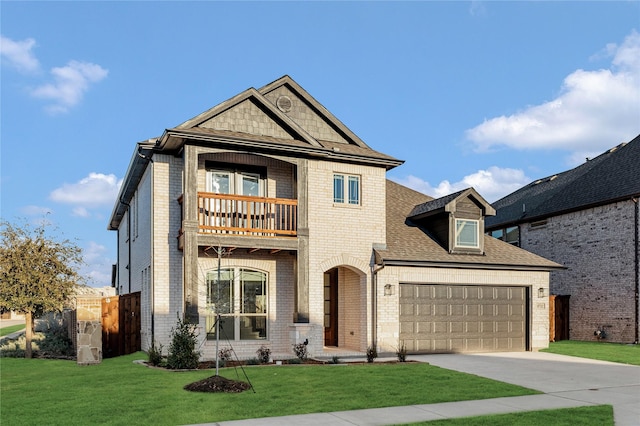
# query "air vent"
(284, 103)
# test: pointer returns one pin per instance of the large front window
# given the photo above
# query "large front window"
(239, 296)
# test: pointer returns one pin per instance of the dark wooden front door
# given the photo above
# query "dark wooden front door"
(331, 308)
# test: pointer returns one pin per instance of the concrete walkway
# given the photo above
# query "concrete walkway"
(565, 381)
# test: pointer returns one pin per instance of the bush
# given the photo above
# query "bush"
(253, 361)
(402, 352)
(264, 353)
(224, 356)
(372, 353)
(182, 350)
(301, 351)
(155, 354)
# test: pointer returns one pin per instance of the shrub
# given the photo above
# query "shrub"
(182, 350)
(264, 353)
(335, 360)
(224, 356)
(402, 352)
(301, 351)
(155, 354)
(372, 353)
(253, 361)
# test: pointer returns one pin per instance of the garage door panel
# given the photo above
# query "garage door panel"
(462, 318)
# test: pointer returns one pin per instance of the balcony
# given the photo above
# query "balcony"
(245, 215)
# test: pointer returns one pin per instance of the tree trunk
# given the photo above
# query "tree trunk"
(28, 353)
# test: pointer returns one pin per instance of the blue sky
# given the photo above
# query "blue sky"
(485, 94)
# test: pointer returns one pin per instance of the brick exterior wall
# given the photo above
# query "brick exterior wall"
(597, 246)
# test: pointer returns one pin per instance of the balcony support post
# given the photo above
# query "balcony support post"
(301, 314)
(190, 230)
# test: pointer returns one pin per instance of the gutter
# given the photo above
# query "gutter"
(497, 266)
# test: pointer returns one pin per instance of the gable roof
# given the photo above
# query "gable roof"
(448, 204)
(410, 245)
(300, 125)
(607, 178)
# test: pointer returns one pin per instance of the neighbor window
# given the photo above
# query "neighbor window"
(511, 235)
(346, 189)
(239, 296)
(467, 233)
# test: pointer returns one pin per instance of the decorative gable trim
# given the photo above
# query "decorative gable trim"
(263, 104)
(324, 113)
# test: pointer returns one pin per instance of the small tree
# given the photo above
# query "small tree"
(182, 350)
(38, 273)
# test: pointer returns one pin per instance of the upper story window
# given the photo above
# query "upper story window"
(511, 235)
(236, 182)
(240, 298)
(467, 233)
(346, 189)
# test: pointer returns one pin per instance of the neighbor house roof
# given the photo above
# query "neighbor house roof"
(409, 244)
(607, 178)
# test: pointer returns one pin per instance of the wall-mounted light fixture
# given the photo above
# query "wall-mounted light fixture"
(388, 290)
(541, 292)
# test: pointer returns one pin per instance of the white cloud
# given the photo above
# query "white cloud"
(70, 84)
(18, 54)
(95, 190)
(594, 111)
(493, 183)
(97, 267)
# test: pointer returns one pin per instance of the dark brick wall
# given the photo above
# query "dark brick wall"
(598, 248)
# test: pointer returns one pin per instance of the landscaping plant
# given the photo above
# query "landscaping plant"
(182, 350)
(372, 353)
(264, 353)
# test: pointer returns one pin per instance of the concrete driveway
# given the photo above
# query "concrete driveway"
(577, 379)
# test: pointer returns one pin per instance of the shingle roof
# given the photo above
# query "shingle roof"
(409, 244)
(611, 176)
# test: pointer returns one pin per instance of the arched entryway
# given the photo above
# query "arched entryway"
(345, 308)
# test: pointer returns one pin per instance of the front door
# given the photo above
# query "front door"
(331, 308)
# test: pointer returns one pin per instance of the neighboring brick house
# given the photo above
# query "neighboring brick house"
(587, 220)
(269, 211)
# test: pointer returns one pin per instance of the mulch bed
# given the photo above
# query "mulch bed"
(218, 384)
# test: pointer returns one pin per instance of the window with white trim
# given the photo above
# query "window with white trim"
(467, 233)
(240, 298)
(346, 189)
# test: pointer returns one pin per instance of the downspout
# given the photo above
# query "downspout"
(637, 267)
(128, 242)
(374, 303)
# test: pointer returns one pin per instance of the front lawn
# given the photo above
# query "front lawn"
(614, 352)
(120, 392)
(599, 415)
(10, 329)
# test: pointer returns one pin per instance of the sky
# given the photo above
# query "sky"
(485, 94)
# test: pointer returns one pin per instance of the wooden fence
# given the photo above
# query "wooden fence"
(120, 325)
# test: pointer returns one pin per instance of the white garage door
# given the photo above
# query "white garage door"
(462, 318)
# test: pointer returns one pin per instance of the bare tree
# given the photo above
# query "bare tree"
(38, 273)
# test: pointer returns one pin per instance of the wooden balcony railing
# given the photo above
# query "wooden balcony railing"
(244, 215)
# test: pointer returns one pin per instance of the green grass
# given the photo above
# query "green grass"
(614, 352)
(11, 329)
(119, 392)
(599, 415)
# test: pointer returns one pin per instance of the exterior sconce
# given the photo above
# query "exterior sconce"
(388, 290)
(541, 292)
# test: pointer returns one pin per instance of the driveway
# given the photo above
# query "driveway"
(577, 379)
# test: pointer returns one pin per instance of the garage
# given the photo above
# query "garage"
(438, 318)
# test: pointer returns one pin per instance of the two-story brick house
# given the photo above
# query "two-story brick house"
(267, 212)
(586, 219)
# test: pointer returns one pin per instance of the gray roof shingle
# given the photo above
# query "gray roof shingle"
(409, 244)
(609, 177)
